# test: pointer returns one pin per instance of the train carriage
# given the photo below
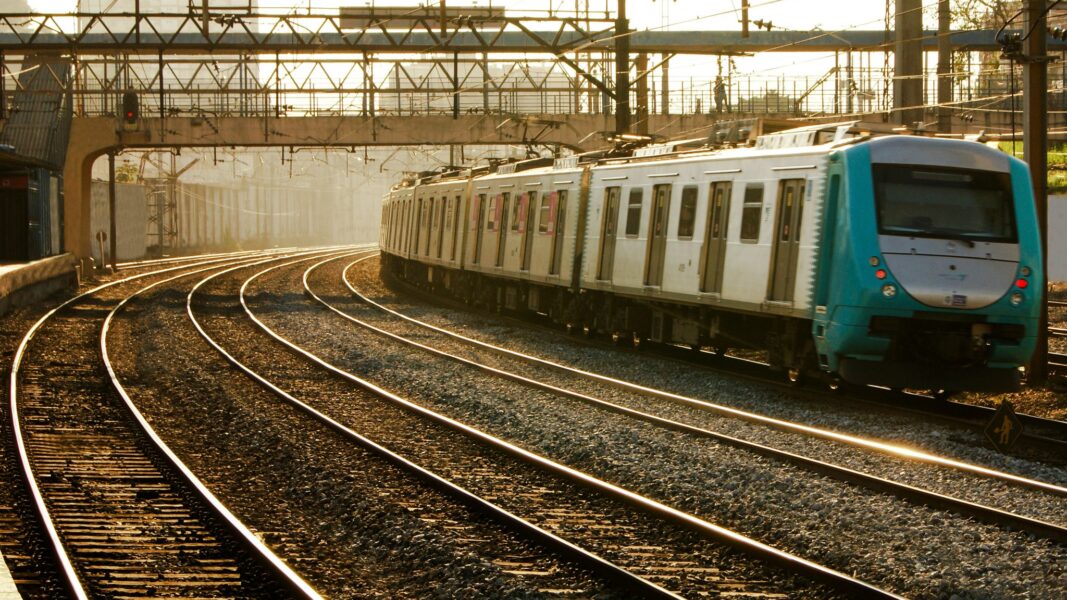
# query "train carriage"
(895, 260)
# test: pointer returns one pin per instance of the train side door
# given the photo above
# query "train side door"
(608, 233)
(715, 237)
(657, 234)
(442, 212)
(559, 224)
(455, 224)
(479, 227)
(786, 240)
(502, 204)
(416, 220)
(528, 230)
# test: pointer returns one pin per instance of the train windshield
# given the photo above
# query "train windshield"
(922, 201)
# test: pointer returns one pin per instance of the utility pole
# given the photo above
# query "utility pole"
(944, 67)
(622, 70)
(1035, 153)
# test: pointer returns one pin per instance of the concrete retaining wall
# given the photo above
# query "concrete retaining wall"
(131, 216)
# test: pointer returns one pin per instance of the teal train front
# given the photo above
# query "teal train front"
(929, 273)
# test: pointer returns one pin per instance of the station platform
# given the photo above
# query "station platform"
(27, 282)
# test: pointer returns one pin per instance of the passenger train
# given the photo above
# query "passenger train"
(896, 260)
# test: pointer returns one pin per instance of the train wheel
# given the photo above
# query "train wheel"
(833, 383)
(636, 338)
(616, 337)
(794, 375)
(944, 395)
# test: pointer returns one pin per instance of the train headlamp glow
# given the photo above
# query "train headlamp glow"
(889, 290)
(1017, 298)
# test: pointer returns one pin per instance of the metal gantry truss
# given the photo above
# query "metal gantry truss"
(241, 61)
(253, 64)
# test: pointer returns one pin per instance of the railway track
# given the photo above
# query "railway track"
(910, 492)
(1008, 523)
(121, 515)
(659, 545)
(1042, 438)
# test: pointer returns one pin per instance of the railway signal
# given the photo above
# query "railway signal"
(131, 111)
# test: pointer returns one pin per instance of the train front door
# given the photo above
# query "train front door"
(608, 233)
(715, 237)
(657, 235)
(786, 240)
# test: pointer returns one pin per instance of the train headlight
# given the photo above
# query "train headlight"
(1017, 298)
(889, 290)
(1025, 271)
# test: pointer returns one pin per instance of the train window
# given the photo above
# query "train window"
(545, 213)
(688, 216)
(752, 212)
(490, 217)
(944, 203)
(516, 211)
(633, 212)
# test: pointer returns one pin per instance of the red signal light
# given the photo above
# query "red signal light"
(1021, 283)
(880, 273)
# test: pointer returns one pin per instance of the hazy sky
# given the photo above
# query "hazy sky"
(686, 14)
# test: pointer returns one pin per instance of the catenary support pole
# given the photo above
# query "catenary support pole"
(944, 67)
(1035, 152)
(622, 70)
(112, 226)
(908, 63)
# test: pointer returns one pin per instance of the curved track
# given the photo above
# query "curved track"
(122, 515)
(561, 510)
(926, 497)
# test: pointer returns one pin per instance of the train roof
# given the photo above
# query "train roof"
(729, 140)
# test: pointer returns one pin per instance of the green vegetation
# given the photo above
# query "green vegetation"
(1057, 164)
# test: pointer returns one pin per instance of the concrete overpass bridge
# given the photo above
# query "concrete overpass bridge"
(93, 137)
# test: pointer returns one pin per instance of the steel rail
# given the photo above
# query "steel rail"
(292, 581)
(817, 432)
(589, 559)
(194, 257)
(908, 492)
(752, 547)
(66, 567)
